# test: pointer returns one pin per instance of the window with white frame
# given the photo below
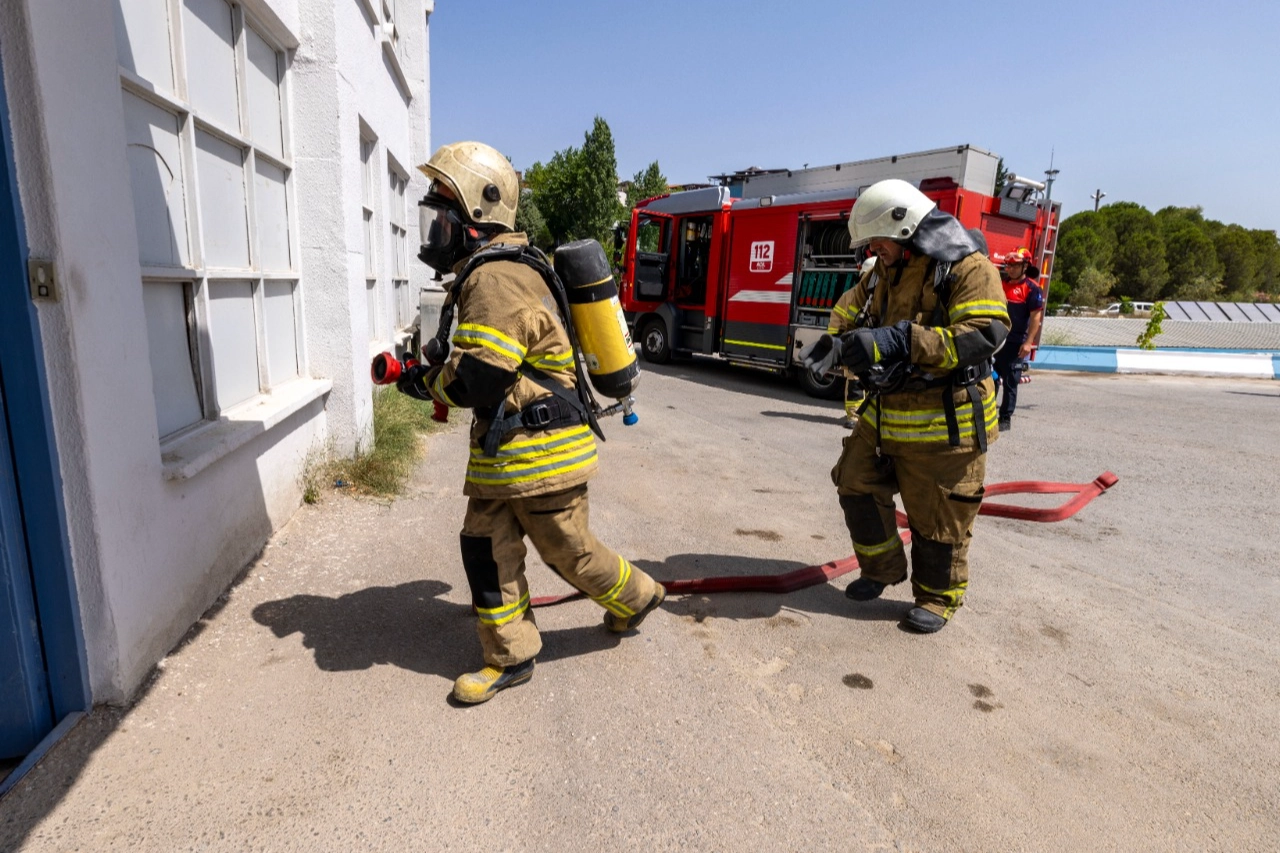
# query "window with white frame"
(389, 24)
(368, 180)
(399, 249)
(204, 96)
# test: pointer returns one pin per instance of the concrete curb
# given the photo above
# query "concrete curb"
(1197, 362)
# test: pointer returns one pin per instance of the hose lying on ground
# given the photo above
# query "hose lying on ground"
(813, 575)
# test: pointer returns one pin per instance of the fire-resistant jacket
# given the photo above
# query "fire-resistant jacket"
(507, 318)
(917, 420)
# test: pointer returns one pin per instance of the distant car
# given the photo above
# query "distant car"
(1114, 307)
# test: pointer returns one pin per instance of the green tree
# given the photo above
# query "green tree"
(1241, 263)
(577, 189)
(1092, 287)
(1147, 337)
(553, 188)
(647, 183)
(599, 174)
(531, 221)
(1085, 241)
(1139, 261)
(1267, 247)
(1194, 269)
(1002, 176)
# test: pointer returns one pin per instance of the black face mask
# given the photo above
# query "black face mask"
(446, 237)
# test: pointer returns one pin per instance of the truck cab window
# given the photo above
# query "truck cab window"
(693, 256)
(652, 245)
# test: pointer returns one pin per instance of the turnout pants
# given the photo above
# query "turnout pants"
(1009, 376)
(493, 553)
(852, 399)
(941, 492)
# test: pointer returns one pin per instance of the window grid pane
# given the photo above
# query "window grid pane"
(156, 172)
(143, 40)
(271, 203)
(173, 375)
(233, 336)
(264, 94)
(281, 332)
(223, 207)
(209, 33)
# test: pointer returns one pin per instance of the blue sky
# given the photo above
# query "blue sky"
(1159, 103)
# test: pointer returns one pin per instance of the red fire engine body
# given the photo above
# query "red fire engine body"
(754, 279)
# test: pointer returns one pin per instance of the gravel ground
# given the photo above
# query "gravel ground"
(1111, 683)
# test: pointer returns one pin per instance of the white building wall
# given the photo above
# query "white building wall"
(159, 528)
(348, 86)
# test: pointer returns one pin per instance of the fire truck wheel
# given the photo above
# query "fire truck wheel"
(653, 342)
(827, 388)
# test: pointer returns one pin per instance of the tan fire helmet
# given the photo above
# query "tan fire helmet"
(481, 178)
(890, 209)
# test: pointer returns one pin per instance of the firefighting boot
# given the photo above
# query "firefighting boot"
(1006, 424)
(475, 687)
(923, 621)
(620, 625)
(864, 589)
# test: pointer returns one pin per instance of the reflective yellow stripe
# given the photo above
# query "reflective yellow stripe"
(876, 550)
(952, 596)
(437, 389)
(843, 312)
(929, 424)
(563, 361)
(487, 336)
(754, 344)
(533, 448)
(505, 471)
(609, 599)
(979, 308)
(506, 613)
(950, 358)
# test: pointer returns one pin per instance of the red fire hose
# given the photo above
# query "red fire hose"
(813, 575)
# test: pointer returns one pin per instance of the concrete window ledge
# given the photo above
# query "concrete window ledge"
(189, 454)
(393, 59)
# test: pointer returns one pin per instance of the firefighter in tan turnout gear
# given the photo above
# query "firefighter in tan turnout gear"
(843, 316)
(931, 314)
(532, 447)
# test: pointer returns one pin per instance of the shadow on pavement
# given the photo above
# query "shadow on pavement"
(835, 420)
(716, 373)
(410, 626)
(826, 598)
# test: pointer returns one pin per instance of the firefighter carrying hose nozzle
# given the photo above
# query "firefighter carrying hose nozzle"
(533, 445)
(932, 314)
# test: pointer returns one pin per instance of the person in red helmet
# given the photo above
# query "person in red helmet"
(1026, 310)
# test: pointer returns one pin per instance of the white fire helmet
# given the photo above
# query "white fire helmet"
(482, 179)
(890, 209)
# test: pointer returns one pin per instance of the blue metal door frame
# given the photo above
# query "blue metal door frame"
(33, 528)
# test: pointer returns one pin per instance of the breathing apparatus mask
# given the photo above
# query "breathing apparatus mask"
(447, 237)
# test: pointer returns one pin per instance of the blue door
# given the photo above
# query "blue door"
(25, 715)
(42, 659)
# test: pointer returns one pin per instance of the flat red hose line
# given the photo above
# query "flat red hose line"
(1082, 493)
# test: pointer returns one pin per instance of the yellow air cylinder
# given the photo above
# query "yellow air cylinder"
(597, 316)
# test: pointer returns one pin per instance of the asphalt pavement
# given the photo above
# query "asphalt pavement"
(1110, 684)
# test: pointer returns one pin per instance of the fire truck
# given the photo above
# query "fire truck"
(750, 271)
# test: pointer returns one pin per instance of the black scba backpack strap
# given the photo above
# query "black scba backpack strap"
(563, 408)
(963, 377)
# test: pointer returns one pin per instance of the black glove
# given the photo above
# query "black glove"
(412, 382)
(885, 345)
(821, 355)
